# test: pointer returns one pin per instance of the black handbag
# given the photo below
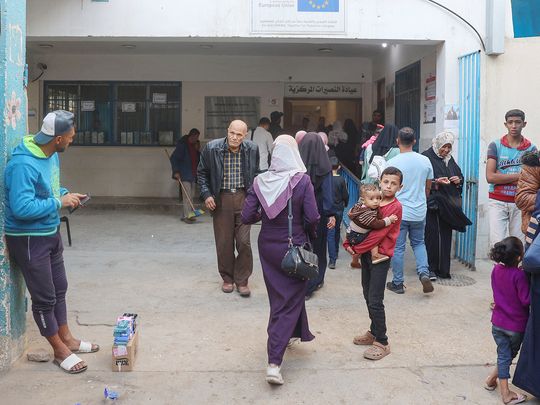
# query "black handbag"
(299, 261)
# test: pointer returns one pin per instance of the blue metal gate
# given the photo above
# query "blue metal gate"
(469, 152)
(353, 187)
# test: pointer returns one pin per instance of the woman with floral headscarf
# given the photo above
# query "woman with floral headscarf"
(444, 205)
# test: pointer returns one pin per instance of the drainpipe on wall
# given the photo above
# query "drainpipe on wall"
(12, 128)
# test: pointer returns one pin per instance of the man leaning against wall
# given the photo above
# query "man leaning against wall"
(33, 201)
(226, 170)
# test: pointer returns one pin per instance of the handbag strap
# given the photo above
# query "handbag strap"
(290, 217)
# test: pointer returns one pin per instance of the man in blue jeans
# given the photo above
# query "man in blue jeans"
(417, 174)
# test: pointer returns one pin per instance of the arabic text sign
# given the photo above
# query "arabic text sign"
(298, 17)
(323, 90)
(220, 111)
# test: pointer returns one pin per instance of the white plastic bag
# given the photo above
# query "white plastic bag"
(376, 167)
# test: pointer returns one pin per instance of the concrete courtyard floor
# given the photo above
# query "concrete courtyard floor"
(200, 346)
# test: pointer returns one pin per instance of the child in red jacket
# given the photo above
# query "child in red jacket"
(374, 275)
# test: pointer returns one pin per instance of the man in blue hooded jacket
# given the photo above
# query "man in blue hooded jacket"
(184, 162)
(33, 201)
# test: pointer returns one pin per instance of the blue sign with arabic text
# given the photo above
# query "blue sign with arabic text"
(324, 6)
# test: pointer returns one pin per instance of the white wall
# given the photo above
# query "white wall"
(509, 82)
(366, 19)
(144, 171)
(174, 20)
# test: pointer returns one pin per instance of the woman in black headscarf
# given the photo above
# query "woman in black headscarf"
(444, 212)
(318, 167)
(346, 152)
(385, 145)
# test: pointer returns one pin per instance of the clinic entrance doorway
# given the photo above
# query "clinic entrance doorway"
(306, 113)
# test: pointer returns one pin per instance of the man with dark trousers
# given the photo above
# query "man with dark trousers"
(33, 200)
(226, 170)
(184, 161)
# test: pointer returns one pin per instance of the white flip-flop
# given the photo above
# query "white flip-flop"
(86, 347)
(69, 362)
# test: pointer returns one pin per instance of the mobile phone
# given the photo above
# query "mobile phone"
(82, 201)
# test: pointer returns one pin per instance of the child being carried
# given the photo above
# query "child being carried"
(365, 216)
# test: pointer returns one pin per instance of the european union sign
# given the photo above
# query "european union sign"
(324, 6)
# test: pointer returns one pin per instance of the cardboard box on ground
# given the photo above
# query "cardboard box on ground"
(123, 357)
(126, 342)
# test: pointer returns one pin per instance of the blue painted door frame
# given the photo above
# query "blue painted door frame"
(469, 152)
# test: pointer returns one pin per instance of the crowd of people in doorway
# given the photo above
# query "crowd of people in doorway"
(292, 185)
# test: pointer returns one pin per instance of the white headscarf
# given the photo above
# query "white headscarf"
(274, 187)
(337, 134)
(441, 139)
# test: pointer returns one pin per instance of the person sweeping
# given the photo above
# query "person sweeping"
(184, 161)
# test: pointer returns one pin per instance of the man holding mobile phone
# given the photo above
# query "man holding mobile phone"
(33, 201)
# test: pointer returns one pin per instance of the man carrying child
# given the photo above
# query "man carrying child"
(374, 275)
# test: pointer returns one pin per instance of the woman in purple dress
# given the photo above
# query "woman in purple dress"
(267, 201)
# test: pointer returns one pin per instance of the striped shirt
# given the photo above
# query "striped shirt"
(233, 177)
(363, 219)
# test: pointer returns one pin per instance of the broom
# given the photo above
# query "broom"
(195, 212)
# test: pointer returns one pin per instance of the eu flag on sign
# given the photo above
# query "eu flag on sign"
(324, 6)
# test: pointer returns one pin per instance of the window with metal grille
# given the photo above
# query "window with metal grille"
(120, 113)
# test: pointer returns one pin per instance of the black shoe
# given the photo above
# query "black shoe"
(432, 276)
(426, 284)
(397, 288)
(332, 265)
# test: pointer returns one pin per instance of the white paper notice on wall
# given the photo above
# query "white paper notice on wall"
(88, 105)
(129, 107)
(159, 98)
(304, 17)
(430, 99)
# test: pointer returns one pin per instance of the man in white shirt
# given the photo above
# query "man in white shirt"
(264, 141)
